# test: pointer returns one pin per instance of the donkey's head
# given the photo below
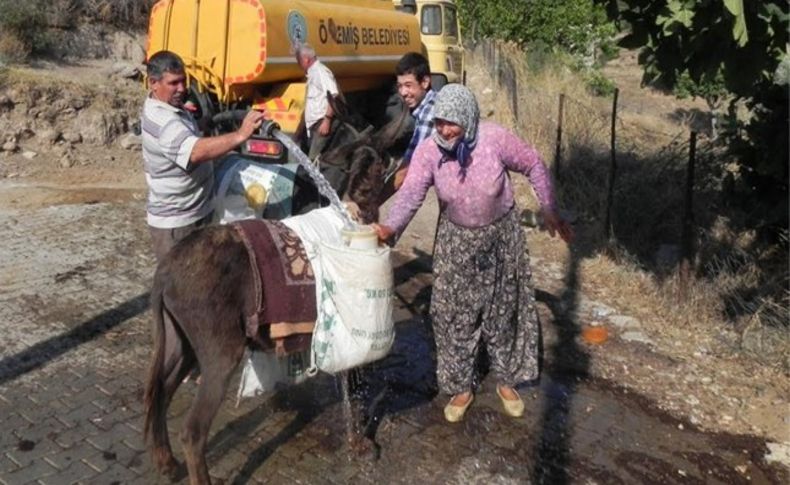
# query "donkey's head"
(346, 114)
(368, 160)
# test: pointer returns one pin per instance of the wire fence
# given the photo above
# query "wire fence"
(650, 185)
(627, 178)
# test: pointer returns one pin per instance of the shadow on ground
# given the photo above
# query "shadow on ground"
(43, 352)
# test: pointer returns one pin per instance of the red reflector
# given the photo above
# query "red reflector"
(264, 147)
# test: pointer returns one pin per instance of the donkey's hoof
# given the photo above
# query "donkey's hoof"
(362, 447)
(172, 469)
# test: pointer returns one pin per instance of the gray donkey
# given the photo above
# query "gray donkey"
(205, 287)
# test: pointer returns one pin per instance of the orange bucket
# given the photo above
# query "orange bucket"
(595, 335)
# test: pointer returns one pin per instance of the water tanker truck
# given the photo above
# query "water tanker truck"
(240, 54)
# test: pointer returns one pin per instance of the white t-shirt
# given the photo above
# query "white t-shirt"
(319, 80)
(179, 192)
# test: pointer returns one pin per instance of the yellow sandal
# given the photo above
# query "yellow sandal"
(453, 413)
(513, 407)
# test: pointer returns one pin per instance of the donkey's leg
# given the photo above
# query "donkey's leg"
(179, 361)
(169, 352)
(178, 351)
(218, 357)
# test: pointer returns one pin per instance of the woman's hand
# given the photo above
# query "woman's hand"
(383, 232)
(555, 224)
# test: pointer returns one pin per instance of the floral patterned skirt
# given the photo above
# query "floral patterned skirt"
(482, 294)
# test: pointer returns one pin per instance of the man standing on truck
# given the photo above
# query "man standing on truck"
(318, 114)
(414, 88)
(177, 160)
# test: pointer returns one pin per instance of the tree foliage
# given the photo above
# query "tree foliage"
(745, 40)
(575, 26)
(711, 89)
(33, 27)
(23, 23)
(738, 44)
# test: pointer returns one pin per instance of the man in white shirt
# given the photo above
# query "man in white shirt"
(177, 160)
(318, 115)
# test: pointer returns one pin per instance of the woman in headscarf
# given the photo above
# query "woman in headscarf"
(482, 291)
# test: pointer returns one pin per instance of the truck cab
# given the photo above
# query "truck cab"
(440, 34)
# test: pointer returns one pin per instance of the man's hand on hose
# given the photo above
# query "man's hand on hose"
(252, 121)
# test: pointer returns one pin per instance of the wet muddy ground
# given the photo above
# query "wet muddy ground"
(74, 276)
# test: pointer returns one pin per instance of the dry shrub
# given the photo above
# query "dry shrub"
(64, 14)
(122, 13)
(126, 14)
(12, 48)
(749, 274)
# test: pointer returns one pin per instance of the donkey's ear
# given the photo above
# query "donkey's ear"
(339, 106)
(341, 155)
(392, 131)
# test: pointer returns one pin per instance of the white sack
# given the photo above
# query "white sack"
(264, 371)
(355, 289)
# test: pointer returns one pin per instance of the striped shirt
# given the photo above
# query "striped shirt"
(179, 192)
(423, 124)
(319, 80)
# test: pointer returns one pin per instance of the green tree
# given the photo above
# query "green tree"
(578, 27)
(712, 90)
(22, 25)
(739, 45)
(745, 41)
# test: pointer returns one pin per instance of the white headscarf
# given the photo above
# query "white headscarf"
(457, 104)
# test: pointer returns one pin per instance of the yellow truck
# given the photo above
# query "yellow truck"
(440, 32)
(239, 53)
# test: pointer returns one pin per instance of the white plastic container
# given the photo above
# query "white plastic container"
(362, 237)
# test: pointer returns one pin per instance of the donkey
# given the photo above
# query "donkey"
(202, 291)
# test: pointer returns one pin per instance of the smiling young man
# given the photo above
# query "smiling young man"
(176, 159)
(414, 88)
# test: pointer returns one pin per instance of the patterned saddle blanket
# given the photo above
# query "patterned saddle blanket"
(285, 312)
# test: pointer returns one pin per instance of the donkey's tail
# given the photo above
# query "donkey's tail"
(154, 399)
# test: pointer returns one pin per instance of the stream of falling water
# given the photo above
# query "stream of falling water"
(347, 414)
(327, 191)
(320, 182)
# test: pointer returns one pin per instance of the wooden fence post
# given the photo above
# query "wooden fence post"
(558, 146)
(687, 238)
(514, 92)
(613, 169)
(497, 61)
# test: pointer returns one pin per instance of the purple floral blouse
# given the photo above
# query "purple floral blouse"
(486, 194)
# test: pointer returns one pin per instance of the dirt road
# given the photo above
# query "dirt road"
(76, 344)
